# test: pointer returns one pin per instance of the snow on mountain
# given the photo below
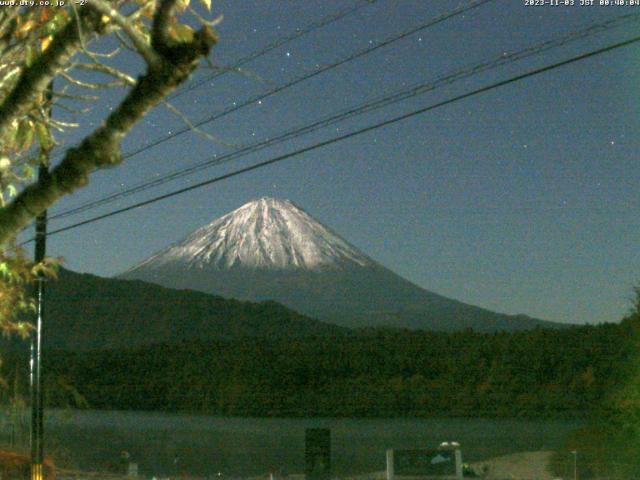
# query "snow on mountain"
(270, 249)
(263, 234)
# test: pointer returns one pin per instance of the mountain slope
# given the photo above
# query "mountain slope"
(272, 249)
(87, 312)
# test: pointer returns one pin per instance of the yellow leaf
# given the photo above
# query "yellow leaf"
(148, 8)
(24, 28)
(46, 41)
(206, 4)
(181, 5)
(183, 33)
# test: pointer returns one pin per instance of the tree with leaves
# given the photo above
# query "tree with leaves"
(48, 55)
(609, 445)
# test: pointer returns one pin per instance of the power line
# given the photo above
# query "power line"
(276, 44)
(279, 42)
(355, 133)
(369, 106)
(235, 107)
(394, 38)
(389, 40)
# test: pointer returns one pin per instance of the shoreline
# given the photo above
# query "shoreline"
(526, 465)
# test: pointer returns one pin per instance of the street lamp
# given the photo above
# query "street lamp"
(575, 464)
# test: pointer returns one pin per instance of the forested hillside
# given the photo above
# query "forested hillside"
(374, 373)
(86, 312)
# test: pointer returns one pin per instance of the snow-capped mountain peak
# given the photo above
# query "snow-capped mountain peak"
(270, 249)
(263, 234)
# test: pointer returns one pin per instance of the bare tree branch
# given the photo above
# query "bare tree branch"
(191, 126)
(12, 73)
(138, 40)
(161, 20)
(102, 148)
(62, 126)
(68, 96)
(107, 70)
(209, 23)
(74, 7)
(96, 55)
(35, 79)
(91, 85)
(123, 42)
(73, 111)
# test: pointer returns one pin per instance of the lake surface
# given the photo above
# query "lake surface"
(204, 445)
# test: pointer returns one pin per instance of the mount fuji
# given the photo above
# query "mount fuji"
(270, 249)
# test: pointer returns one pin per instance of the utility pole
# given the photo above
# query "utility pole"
(37, 452)
(37, 424)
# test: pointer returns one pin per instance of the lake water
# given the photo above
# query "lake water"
(204, 445)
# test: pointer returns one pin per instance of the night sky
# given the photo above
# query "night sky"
(522, 200)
